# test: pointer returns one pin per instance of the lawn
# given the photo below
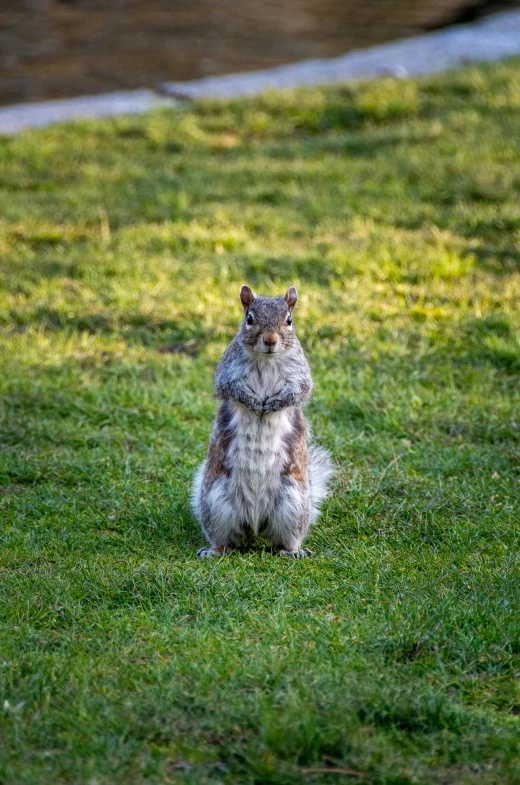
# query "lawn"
(393, 656)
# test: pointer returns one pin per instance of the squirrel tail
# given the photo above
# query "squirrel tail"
(197, 490)
(321, 472)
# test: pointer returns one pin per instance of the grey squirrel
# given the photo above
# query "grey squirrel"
(261, 474)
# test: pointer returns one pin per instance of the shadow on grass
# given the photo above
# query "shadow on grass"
(309, 268)
(497, 260)
(487, 341)
(171, 336)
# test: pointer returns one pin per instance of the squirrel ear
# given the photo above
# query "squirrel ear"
(291, 297)
(247, 297)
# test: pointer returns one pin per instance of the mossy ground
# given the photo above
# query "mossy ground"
(393, 654)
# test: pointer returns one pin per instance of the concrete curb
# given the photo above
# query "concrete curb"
(491, 38)
(40, 114)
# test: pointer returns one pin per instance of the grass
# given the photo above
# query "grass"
(393, 656)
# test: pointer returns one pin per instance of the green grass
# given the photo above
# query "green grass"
(394, 654)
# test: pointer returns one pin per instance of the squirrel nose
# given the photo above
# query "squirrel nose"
(270, 339)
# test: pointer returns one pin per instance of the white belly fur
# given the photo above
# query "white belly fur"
(258, 455)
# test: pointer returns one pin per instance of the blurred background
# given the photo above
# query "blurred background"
(61, 48)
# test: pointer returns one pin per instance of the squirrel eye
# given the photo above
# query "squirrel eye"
(250, 318)
(289, 319)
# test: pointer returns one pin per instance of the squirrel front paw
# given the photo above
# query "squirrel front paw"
(254, 403)
(273, 404)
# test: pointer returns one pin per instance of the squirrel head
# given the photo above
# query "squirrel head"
(267, 327)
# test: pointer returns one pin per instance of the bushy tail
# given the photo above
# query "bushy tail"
(321, 472)
(196, 490)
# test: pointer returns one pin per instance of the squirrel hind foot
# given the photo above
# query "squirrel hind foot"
(299, 553)
(208, 553)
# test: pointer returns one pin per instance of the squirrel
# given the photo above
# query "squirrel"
(262, 474)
